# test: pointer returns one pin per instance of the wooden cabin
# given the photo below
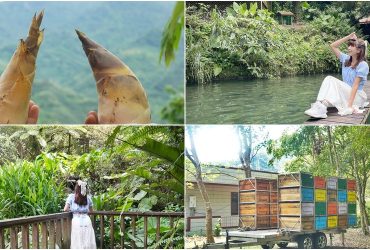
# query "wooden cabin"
(222, 190)
(285, 17)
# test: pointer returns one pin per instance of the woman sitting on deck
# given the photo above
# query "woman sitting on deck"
(82, 234)
(347, 95)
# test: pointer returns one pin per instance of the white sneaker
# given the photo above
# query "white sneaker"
(317, 110)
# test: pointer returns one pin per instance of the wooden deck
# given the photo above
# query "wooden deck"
(334, 118)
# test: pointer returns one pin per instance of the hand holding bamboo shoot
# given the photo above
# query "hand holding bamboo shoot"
(17, 78)
(122, 98)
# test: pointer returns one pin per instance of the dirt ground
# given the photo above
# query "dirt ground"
(353, 239)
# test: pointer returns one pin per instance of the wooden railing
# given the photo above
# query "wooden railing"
(55, 229)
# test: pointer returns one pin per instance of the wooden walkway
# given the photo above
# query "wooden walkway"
(334, 118)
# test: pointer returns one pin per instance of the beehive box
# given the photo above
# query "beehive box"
(342, 184)
(321, 222)
(297, 209)
(351, 196)
(258, 222)
(351, 208)
(351, 185)
(295, 223)
(342, 196)
(352, 220)
(332, 208)
(258, 203)
(342, 208)
(320, 195)
(296, 194)
(332, 195)
(332, 221)
(295, 180)
(342, 221)
(331, 183)
(319, 182)
(320, 208)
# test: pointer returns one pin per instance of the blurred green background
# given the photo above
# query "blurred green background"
(64, 86)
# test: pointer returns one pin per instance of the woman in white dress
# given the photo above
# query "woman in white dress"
(79, 203)
(347, 95)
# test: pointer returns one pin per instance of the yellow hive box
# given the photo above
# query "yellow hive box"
(332, 221)
(351, 196)
(320, 195)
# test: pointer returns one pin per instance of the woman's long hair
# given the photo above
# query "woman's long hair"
(79, 198)
(361, 45)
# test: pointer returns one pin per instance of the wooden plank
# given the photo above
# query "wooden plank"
(58, 233)
(101, 231)
(13, 238)
(112, 232)
(133, 227)
(158, 229)
(335, 118)
(123, 229)
(2, 239)
(44, 235)
(145, 231)
(172, 220)
(65, 233)
(52, 234)
(35, 236)
(25, 237)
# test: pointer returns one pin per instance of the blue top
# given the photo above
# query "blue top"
(349, 74)
(75, 208)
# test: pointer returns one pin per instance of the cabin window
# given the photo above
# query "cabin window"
(234, 203)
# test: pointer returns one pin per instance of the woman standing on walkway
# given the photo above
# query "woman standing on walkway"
(79, 203)
(347, 95)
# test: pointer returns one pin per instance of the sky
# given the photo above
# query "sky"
(215, 143)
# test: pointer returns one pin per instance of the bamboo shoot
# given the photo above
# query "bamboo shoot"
(17, 78)
(122, 98)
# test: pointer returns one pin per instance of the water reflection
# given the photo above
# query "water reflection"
(280, 101)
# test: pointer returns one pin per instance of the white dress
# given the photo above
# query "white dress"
(82, 234)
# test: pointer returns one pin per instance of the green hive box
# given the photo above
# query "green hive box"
(351, 208)
(306, 180)
(320, 208)
(342, 184)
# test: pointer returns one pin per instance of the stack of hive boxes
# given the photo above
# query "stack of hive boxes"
(309, 203)
(258, 203)
(296, 202)
(351, 197)
(321, 204)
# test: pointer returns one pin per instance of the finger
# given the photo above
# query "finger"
(33, 113)
(92, 118)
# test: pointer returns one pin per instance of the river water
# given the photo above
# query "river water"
(280, 101)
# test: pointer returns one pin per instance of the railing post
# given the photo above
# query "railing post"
(145, 231)
(25, 237)
(2, 239)
(158, 231)
(101, 231)
(35, 236)
(112, 232)
(133, 227)
(58, 233)
(52, 234)
(123, 229)
(13, 238)
(44, 235)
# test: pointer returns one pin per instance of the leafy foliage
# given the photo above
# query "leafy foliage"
(248, 43)
(127, 169)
